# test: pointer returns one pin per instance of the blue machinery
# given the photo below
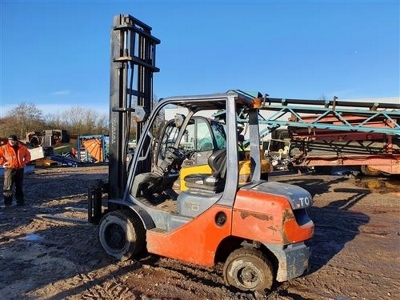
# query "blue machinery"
(343, 115)
(348, 116)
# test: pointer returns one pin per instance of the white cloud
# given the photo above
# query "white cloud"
(61, 93)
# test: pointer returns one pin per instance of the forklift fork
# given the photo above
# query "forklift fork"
(95, 196)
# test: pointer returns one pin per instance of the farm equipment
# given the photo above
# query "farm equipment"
(258, 229)
(54, 146)
(48, 138)
(327, 133)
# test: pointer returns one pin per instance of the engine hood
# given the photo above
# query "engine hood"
(297, 196)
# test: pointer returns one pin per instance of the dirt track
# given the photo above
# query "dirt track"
(49, 251)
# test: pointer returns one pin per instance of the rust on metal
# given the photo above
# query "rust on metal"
(263, 217)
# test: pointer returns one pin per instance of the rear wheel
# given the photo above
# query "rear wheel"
(248, 270)
(121, 234)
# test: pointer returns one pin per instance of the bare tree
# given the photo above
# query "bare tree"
(102, 125)
(79, 121)
(5, 127)
(27, 118)
(54, 121)
(22, 119)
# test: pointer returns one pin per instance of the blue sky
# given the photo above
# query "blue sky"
(56, 54)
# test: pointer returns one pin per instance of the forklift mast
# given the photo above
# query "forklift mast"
(133, 53)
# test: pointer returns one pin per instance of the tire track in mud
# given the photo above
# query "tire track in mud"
(112, 288)
(98, 284)
(203, 283)
(165, 279)
(210, 276)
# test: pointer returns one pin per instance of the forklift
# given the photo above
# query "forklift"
(256, 228)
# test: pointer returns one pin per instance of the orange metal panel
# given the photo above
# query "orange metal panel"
(267, 218)
(259, 219)
(94, 148)
(295, 233)
(195, 242)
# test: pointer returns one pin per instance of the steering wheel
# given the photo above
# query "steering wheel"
(176, 153)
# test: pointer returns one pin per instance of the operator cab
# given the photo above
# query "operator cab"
(181, 165)
(184, 162)
(186, 154)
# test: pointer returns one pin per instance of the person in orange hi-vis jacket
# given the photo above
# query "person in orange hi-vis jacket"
(14, 156)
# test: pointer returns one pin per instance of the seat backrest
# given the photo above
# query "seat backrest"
(217, 163)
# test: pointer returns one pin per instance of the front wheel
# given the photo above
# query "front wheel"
(121, 234)
(248, 270)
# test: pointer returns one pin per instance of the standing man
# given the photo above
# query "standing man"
(14, 156)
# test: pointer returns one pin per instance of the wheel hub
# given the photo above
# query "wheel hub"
(115, 237)
(248, 275)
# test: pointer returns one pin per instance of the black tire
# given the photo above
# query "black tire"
(248, 269)
(121, 234)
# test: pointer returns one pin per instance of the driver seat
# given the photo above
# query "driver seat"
(161, 179)
(212, 183)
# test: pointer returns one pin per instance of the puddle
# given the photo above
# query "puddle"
(33, 237)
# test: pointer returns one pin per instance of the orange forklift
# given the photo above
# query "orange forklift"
(256, 228)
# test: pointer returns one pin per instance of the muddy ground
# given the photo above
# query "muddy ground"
(48, 250)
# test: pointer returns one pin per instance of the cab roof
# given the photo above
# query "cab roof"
(212, 101)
